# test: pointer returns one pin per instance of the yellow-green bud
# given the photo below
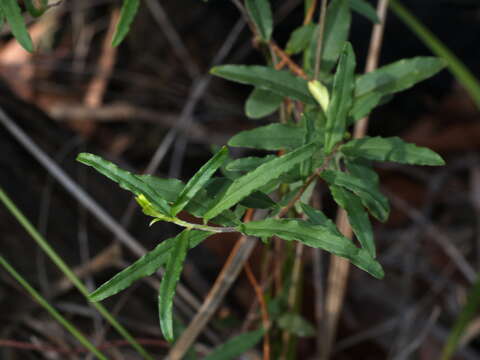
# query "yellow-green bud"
(320, 93)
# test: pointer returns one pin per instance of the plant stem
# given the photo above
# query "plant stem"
(215, 229)
(51, 310)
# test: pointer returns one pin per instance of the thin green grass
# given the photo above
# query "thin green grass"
(57, 260)
(55, 314)
(456, 66)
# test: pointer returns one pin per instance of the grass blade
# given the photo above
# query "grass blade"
(456, 66)
(467, 314)
(51, 310)
(57, 260)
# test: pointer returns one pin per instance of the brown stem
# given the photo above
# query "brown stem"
(263, 307)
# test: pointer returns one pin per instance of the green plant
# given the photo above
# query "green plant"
(317, 103)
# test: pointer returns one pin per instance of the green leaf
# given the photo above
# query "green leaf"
(13, 14)
(342, 96)
(316, 236)
(337, 27)
(270, 137)
(363, 169)
(296, 324)
(300, 39)
(2, 19)
(168, 189)
(280, 82)
(258, 200)
(145, 266)
(199, 180)
(365, 189)
(126, 180)
(169, 283)
(127, 14)
(363, 106)
(261, 15)
(248, 163)
(262, 103)
(391, 149)
(34, 11)
(248, 183)
(398, 76)
(235, 347)
(364, 8)
(316, 217)
(357, 217)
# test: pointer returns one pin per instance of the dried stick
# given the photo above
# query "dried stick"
(339, 267)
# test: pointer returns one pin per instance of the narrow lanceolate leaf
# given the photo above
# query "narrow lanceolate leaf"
(199, 180)
(317, 217)
(248, 163)
(261, 15)
(235, 347)
(125, 179)
(363, 169)
(270, 137)
(145, 266)
(357, 217)
(366, 190)
(262, 103)
(337, 27)
(169, 283)
(391, 149)
(342, 97)
(280, 82)
(398, 76)
(364, 8)
(316, 236)
(363, 106)
(127, 14)
(13, 14)
(168, 189)
(248, 183)
(300, 39)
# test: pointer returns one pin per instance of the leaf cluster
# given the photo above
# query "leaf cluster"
(312, 144)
